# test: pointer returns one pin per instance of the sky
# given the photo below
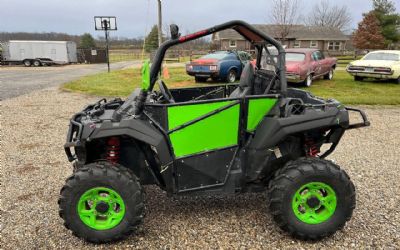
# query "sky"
(135, 17)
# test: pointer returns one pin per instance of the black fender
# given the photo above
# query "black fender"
(140, 130)
(272, 130)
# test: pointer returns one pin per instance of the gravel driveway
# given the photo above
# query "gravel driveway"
(15, 81)
(34, 167)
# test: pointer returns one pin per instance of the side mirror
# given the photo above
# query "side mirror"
(174, 29)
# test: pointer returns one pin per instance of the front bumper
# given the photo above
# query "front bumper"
(74, 136)
(364, 123)
(203, 74)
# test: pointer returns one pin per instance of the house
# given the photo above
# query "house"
(330, 40)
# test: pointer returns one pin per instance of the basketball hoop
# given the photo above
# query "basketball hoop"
(105, 23)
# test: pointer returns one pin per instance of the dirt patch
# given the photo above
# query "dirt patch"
(27, 168)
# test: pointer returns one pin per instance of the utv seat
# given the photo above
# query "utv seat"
(264, 81)
(246, 84)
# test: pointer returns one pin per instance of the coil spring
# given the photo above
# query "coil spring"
(311, 149)
(113, 149)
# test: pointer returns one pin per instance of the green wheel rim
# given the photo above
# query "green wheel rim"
(314, 203)
(101, 208)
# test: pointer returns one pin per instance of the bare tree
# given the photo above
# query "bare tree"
(327, 15)
(284, 13)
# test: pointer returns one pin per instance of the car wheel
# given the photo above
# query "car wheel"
(308, 81)
(329, 75)
(27, 63)
(231, 76)
(200, 79)
(36, 63)
(358, 78)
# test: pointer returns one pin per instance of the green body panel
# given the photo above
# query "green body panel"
(146, 75)
(178, 115)
(258, 108)
(216, 131)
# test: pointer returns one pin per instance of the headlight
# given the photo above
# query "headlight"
(213, 67)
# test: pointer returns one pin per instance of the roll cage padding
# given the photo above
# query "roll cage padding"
(250, 33)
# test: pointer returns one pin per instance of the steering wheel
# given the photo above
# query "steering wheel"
(165, 92)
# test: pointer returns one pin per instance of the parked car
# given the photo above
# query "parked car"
(305, 65)
(382, 64)
(219, 65)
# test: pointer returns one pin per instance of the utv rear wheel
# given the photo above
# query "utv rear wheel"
(311, 198)
(102, 202)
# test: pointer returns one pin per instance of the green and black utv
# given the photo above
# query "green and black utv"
(254, 136)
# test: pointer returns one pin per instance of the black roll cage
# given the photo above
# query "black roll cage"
(251, 34)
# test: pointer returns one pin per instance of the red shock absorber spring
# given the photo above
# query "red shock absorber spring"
(311, 149)
(113, 149)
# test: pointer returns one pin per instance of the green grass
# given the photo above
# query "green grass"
(342, 87)
(122, 82)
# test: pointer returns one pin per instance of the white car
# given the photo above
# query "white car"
(382, 64)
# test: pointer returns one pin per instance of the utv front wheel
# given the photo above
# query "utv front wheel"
(311, 198)
(102, 202)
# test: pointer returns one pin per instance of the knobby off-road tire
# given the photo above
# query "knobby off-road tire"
(102, 202)
(311, 198)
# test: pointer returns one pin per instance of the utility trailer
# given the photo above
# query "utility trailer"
(38, 53)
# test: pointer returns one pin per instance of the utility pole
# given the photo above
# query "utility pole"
(159, 23)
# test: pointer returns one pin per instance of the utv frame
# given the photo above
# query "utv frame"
(209, 140)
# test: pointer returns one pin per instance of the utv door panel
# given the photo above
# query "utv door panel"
(203, 127)
(257, 109)
(204, 170)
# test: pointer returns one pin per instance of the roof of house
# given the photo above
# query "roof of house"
(298, 32)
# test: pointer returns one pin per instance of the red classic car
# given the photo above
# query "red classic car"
(305, 65)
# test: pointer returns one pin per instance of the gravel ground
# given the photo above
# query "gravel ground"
(19, 80)
(34, 167)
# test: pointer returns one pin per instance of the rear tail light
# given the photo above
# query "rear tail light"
(356, 68)
(383, 70)
(189, 67)
(213, 67)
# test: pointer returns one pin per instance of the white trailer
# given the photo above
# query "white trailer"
(39, 53)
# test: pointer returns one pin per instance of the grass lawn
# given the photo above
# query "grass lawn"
(342, 87)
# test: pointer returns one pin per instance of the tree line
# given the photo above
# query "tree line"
(379, 29)
(83, 41)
